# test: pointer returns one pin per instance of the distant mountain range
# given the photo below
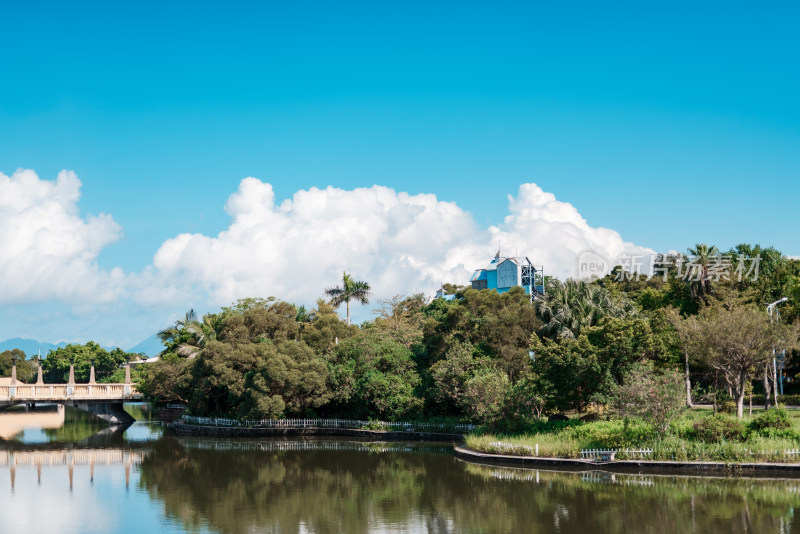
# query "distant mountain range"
(150, 346)
(31, 347)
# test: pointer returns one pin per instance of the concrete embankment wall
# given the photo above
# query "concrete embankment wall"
(633, 466)
(244, 432)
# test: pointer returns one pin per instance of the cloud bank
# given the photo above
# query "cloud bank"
(400, 243)
(293, 249)
(48, 251)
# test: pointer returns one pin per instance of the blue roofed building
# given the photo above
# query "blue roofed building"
(503, 273)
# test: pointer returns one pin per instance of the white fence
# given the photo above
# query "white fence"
(315, 445)
(327, 423)
(642, 453)
(611, 453)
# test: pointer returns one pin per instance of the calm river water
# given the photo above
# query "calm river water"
(74, 477)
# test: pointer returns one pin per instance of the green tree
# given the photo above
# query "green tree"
(56, 366)
(497, 325)
(372, 376)
(656, 396)
(167, 380)
(451, 374)
(621, 343)
(254, 380)
(401, 318)
(734, 342)
(573, 372)
(698, 271)
(326, 329)
(186, 338)
(349, 290)
(291, 372)
(526, 401)
(571, 307)
(26, 369)
(275, 322)
(485, 395)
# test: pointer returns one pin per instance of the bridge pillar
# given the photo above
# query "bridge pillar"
(91, 373)
(40, 380)
(71, 381)
(127, 388)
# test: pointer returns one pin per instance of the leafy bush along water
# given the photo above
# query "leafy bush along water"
(718, 428)
(777, 419)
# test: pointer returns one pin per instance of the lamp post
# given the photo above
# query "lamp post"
(774, 313)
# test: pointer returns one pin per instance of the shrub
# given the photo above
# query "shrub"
(778, 433)
(776, 419)
(727, 406)
(657, 396)
(718, 428)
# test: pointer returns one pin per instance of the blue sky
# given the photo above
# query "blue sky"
(669, 123)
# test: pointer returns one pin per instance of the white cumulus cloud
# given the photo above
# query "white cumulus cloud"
(293, 249)
(48, 251)
(553, 233)
(400, 243)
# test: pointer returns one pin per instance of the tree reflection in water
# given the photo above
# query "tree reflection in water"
(366, 488)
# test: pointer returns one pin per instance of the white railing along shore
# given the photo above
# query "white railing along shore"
(311, 445)
(642, 453)
(611, 453)
(327, 423)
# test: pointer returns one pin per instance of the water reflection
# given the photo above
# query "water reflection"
(50, 423)
(355, 489)
(140, 480)
(15, 423)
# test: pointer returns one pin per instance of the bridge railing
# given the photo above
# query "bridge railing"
(42, 392)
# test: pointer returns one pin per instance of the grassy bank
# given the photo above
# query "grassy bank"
(696, 436)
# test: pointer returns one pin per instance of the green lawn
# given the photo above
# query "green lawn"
(566, 440)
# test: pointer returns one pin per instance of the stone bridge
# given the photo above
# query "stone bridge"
(103, 400)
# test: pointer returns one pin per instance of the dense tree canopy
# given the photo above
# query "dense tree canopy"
(107, 364)
(490, 357)
(26, 369)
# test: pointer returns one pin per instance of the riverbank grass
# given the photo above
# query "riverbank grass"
(696, 436)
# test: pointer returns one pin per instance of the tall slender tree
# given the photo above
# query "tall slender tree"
(700, 278)
(349, 290)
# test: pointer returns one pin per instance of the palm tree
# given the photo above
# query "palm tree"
(700, 281)
(573, 306)
(349, 290)
(189, 335)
